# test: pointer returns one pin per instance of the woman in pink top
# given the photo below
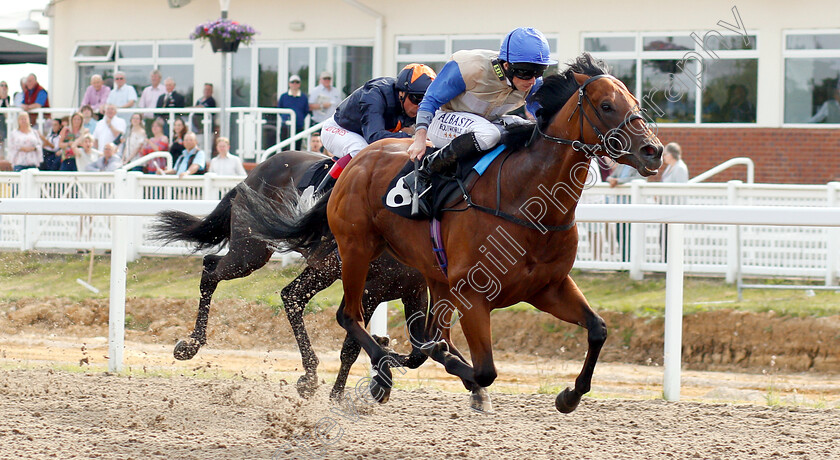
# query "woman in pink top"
(24, 149)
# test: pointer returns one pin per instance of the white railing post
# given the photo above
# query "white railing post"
(29, 189)
(135, 224)
(116, 312)
(209, 191)
(733, 243)
(637, 234)
(379, 325)
(673, 313)
(833, 244)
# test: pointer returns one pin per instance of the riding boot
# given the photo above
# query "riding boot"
(332, 176)
(441, 161)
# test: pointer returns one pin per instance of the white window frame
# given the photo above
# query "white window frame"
(107, 58)
(815, 53)
(640, 55)
(447, 53)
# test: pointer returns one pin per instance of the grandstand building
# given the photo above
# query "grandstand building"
(722, 79)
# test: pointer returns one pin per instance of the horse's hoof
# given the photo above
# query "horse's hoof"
(567, 401)
(381, 341)
(380, 392)
(336, 396)
(480, 401)
(306, 385)
(186, 349)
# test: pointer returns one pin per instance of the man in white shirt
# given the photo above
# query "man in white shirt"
(149, 98)
(676, 170)
(122, 96)
(225, 164)
(108, 128)
(109, 161)
(192, 160)
(324, 99)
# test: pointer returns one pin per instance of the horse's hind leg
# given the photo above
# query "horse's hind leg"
(295, 297)
(240, 261)
(565, 302)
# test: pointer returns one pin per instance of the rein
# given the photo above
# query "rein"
(580, 146)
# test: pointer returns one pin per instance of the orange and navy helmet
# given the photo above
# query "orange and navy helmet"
(415, 78)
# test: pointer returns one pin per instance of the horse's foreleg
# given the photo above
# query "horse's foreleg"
(295, 297)
(565, 302)
(350, 352)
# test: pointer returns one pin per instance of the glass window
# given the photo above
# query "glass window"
(605, 44)
(241, 78)
(299, 64)
(669, 93)
(138, 76)
(670, 43)
(421, 47)
(182, 74)
(669, 83)
(475, 44)
(812, 78)
(355, 65)
(93, 52)
(267, 68)
(436, 66)
(813, 42)
(175, 50)
(135, 51)
(729, 91)
(87, 71)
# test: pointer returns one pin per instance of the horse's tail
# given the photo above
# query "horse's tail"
(210, 232)
(283, 224)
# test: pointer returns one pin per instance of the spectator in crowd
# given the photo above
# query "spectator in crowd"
(157, 143)
(24, 149)
(169, 99)
(829, 111)
(34, 97)
(110, 129)
(83, 150)
(324, 98)
(676, 170)
(315, 144)
(5, 102)
(150, 96)
(296, 100)
(123, 96)
(225, 164)
(51, 147)
(75, 130)
(109, 161)
(134, 140)
(738, 108)
(206, 100)
(96, 95)
(17, 100)
(192, 161)
(179, 132)
(87, 117)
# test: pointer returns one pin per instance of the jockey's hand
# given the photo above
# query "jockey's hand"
(418, 148)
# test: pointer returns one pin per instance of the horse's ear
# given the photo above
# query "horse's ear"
(580, 78)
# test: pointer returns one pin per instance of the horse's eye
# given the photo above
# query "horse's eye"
(606, 107)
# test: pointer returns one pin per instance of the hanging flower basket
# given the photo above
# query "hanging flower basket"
(224, 35)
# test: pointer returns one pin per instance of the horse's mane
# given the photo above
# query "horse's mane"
(557, 89)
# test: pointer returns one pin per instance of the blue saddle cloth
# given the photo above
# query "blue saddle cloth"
(444, 189)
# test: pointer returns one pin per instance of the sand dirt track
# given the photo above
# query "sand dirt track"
(56, 414)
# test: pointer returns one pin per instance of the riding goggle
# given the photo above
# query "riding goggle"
(415, 99)
(527, 73)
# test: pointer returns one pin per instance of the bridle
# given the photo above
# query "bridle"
(580, 146)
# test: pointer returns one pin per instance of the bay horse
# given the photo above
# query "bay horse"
(521, 251)
(275, 179)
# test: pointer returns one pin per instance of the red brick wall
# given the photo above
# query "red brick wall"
(781, 155)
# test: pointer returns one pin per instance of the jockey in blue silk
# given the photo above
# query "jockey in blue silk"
(463, 113)
(383, 108)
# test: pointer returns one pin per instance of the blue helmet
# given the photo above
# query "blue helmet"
(526, 44)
